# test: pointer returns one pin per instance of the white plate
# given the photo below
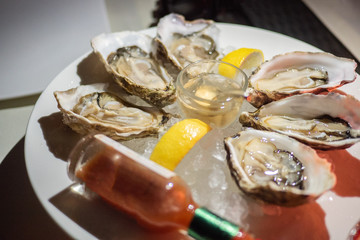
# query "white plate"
(48, 142)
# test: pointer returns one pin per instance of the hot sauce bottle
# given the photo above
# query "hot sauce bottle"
(155, 196)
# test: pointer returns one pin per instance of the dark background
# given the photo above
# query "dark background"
(289, 17)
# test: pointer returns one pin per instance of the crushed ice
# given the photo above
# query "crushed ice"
(205, 170)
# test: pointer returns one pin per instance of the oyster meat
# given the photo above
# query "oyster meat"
(95, 109)
(299, 72)
(277, 169)
(127, 56)
(321, 121)
(179, 42)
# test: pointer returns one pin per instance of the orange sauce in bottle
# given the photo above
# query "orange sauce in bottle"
(156, 200)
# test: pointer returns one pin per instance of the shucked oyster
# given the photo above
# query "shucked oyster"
(299, 72)
(321, 121)
(179, 42)
(277, 169)
(93, 109)
(127, 56)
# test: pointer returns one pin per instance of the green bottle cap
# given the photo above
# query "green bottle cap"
(207, 226)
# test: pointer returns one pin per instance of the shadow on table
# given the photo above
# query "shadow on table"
(306, 221)
(60, 139)
(346, 168)
(22, 215)
(102, 220)
(92, 70)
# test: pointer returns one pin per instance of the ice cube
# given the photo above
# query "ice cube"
(149, 147)
(216, 177)
(236, 208)
(219, 151)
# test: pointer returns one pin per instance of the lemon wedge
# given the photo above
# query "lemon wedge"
(177, 142)
(243, 58)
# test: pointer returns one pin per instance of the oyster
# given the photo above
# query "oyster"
(277, 169)
(321, 121)
(298, 72)
(127, 56)
(179, 42)
(94, 109)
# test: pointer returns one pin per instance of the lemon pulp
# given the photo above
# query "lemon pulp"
(177, 142)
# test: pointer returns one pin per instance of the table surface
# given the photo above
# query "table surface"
(20, 208)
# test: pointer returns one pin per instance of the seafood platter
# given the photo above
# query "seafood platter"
(288, 164)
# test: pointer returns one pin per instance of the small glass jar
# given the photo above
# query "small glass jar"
(212, 91)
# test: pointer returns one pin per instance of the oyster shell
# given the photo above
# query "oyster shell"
(298, 72)
(127, 56)
(94, 109)
(277, 169)
(321, 121)
(179, 42)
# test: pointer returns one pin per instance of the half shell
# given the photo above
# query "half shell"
(127, 56)
(299, 72)
(277, 169)
(94, 109)
(321, 121)
(179, 42)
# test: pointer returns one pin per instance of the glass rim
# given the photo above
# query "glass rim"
(180, 85)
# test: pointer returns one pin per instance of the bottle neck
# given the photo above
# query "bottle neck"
(207, 225)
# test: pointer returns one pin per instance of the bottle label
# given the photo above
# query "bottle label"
(127, 152)
(207, 225)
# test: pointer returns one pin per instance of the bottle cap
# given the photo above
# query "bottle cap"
(207, 225)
